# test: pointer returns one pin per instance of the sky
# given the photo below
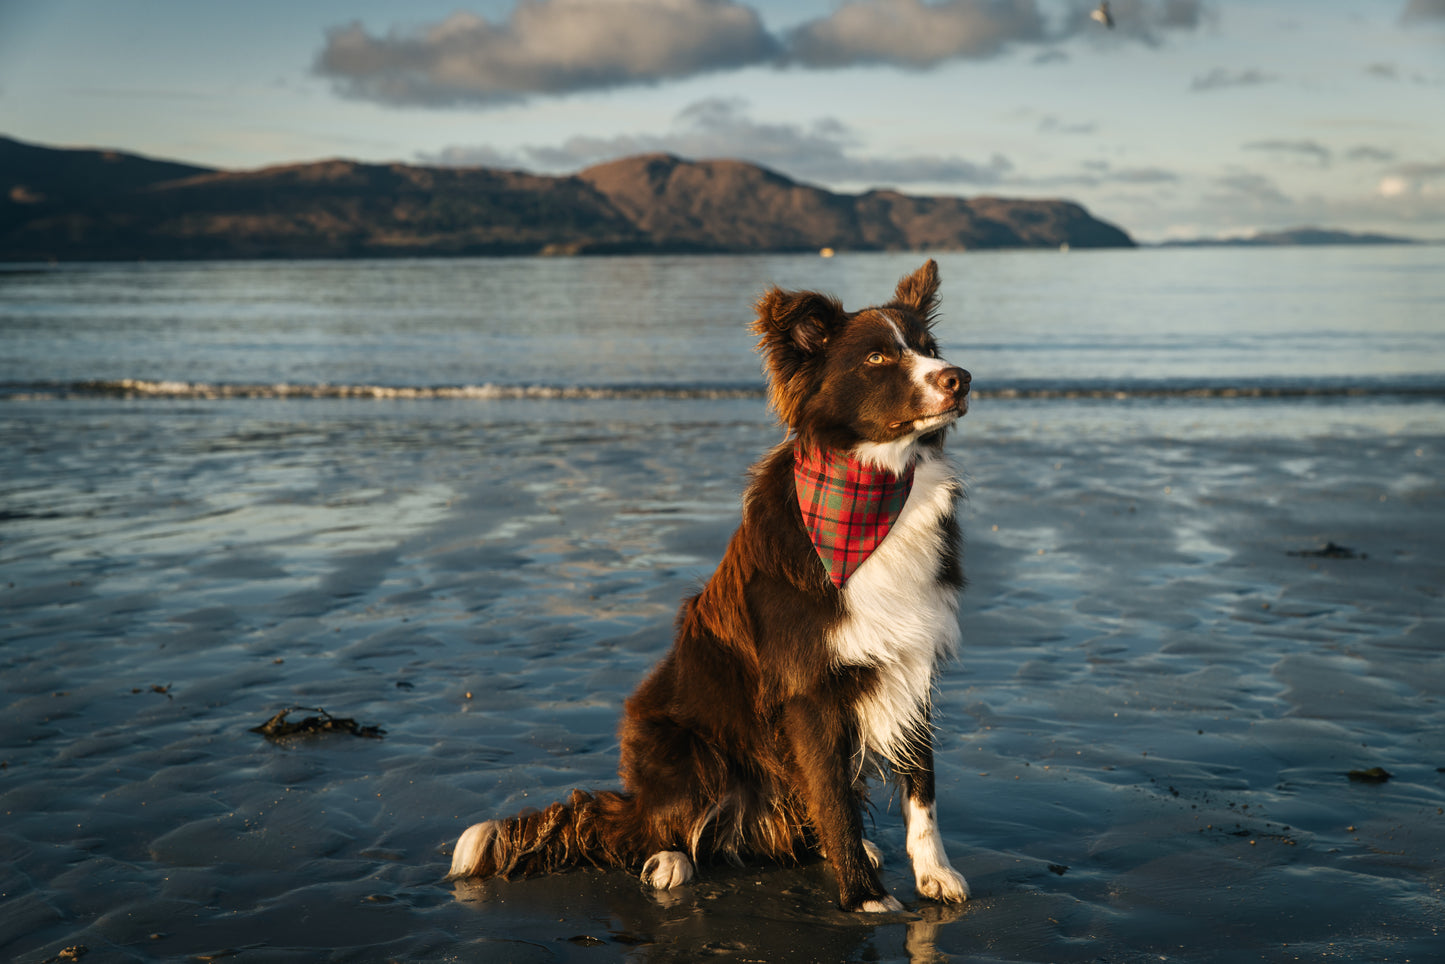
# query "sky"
(1187, 118)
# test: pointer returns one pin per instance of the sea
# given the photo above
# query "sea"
(457, 501)
(1309, 323)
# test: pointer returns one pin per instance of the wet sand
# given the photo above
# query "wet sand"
(1143, 753)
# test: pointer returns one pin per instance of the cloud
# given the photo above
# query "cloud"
(1417, 11)
(916, 34)
(1234, 201)
(1221, 77)
(1241, 203)
(545, 47)
(1138, 20)
(1312, 150)
(910, 33)
(1055, 125)
(1318, 153)
(822, 151)
(1142, 175)
(1367, 153)
(1251, 191)
(1099, 173)
(473, 155)
(1424, 172)
(1414, 181)
(1388, 71)
(555, 47)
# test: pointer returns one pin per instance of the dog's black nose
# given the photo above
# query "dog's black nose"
(953, 380)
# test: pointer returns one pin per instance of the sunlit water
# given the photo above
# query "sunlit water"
(1363, 319)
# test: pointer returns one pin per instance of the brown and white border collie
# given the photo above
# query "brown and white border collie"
(751, 737)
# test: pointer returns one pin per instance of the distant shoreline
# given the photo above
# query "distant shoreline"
(1293, 237)
(94, 205)
(15, 265)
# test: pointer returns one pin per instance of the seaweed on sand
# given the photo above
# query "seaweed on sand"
(1330, 551)
(279, 728)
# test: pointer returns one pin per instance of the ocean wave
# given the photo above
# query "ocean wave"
(132, 388)
(140, 388)
(1255, 391)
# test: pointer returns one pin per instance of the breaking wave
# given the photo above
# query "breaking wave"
(145, 388)
(139, 388)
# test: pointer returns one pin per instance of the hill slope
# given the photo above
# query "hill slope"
(93, 205)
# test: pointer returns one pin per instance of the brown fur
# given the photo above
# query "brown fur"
(742, 742)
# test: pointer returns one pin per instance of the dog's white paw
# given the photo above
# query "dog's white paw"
(874, 852)
(887, 904)
(667, 869)
(477, 844)
(943, 883)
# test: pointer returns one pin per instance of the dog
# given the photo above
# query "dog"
(813, 648)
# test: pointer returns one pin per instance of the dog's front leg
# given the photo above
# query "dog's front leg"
(934, 876)
(823, 745)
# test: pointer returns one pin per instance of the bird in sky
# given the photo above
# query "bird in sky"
(1103, 15)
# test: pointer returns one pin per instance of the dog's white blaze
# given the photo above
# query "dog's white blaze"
(898, 334)
(934, 876)
(900, 620)
(921, 368)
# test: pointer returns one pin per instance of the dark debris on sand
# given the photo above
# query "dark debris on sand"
(1329, 550)
(279, 728)
(1372, 775)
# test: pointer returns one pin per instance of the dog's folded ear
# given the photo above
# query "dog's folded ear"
(796, 321)
(919, 291)
(792, 328)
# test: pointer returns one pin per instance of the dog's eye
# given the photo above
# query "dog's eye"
(877, 358)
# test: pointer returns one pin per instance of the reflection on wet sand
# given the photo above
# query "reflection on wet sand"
(1154, 694)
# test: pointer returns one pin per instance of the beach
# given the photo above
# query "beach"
(439, 515)
(1143, 752)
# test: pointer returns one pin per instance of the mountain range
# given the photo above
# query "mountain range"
(69, 205)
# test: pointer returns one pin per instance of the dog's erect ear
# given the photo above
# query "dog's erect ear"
(792, 328)
(919, 291)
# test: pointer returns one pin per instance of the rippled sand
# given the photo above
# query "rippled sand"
(1143, 752)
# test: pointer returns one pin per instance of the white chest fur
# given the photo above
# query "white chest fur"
(900, 620)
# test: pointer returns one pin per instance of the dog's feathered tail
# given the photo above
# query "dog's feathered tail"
(611, 829)
(589, 828)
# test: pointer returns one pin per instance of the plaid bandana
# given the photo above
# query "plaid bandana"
(847, 506)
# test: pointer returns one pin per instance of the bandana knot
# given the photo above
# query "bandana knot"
(848, 506)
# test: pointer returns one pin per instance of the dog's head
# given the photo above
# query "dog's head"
(869, 381)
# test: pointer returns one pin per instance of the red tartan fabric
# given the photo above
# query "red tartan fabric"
(848, 507)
